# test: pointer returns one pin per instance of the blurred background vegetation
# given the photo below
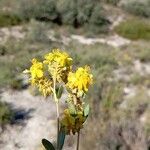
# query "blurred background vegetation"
(121, 92)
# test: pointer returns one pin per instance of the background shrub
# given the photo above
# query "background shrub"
(67, 16)
(76, 13)
(139, 8)
(114, 2)
(39, 9)
(134, 29)
(81, 12)
(98, 23)
(37, 32)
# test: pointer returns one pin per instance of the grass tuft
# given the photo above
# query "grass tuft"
(134, 29)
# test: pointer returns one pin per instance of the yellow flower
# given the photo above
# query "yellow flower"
(37, 77)
(36, 70)
(62, 59)
(80, 80)
(44, 86)
(59, 64)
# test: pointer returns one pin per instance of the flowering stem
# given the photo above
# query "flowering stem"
(78, 140)
(57, 109)
(57, 106)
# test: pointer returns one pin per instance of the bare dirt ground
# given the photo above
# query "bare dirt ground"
(35, 120)
(13, 32)
(113, 40)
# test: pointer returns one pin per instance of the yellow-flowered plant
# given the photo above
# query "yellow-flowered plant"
(53, 74)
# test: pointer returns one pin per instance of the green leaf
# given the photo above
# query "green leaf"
(59, 92)
(72, 109)
(61, 138)
(47, 144)
(86, 110)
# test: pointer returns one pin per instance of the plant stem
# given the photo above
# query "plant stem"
(57, 110)
(78, 140)
(57, 106)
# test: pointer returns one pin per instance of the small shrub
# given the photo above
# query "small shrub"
(67, 16)
(139, 8)
(114, 2)
(75, 12)
(97, 21)
(39, 9)
(37, 32)
(144, 55)
(102, 62)
(134, 29)
(9, 48)
(16, 84)
(137, 79)
(6, 113)
(6, 73)
(9, 19)
(2, 50)
(19, 83)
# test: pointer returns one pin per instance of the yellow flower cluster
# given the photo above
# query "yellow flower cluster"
(37, 77)
(59, 64)
(77, 85)
(72, 123)
(56, 70)
(62, 59)
(36, 71)
(44, 86)
(79, 81)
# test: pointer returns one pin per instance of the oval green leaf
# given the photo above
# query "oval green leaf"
(86, 110)
(47, 144)
(61, 138)
(59, 92)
